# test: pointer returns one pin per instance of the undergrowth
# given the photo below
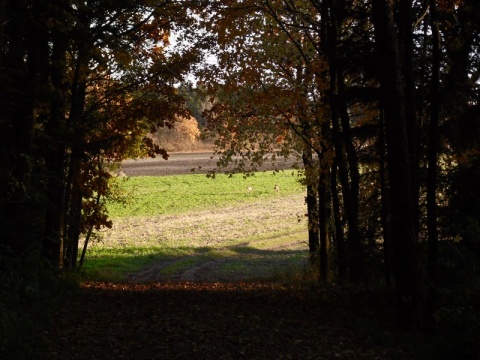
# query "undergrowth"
(29, 292)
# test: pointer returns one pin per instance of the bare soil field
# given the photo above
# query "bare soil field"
(188, 163)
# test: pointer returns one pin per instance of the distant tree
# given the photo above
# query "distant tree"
(197, 101)
(183, 136)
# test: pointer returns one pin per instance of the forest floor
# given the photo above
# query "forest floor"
(237, 320)
(203, 317)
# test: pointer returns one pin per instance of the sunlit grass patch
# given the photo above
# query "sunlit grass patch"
(155, 195)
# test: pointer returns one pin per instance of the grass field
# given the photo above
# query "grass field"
(158, 195)
(191, 227)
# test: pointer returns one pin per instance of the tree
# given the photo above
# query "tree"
(181, 137)
(399, 164)
(84, 83)
(432, 175)
(298, 65)
(285, 88)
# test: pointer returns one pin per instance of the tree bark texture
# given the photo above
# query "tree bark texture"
(399, 165)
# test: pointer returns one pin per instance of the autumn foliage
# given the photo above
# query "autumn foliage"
(183, 136)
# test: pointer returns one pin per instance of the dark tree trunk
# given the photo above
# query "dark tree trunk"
(312, 204)
(23, 72)
(405, 25)
(13, 76)
(399, 165)
(324, 213)
(73, 193)
(55, 156)
(74, 233)
(89, 234)
(356, 255)
(432, 174)
(345, 155)
(73, 211)
(12, 83)
(340, 245)
(386, 210)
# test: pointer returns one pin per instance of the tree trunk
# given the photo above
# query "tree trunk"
(348, 172)
(55, 156)
(356, 255)
(23, 70)
(399, 166)
(73, 193)
(386, 209)
(324, 213)
(73, 212)
(405, 25)
(312, 204)
(432, 173)
(340, 246)
(12, 91)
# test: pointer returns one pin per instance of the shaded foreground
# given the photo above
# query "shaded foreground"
(211, 321)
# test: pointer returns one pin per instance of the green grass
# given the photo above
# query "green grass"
(152, 226)
(159, 195)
